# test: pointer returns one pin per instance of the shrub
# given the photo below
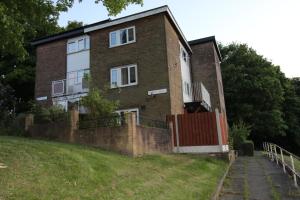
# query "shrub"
(238, 134)
(247, 148)
(98, 106)
(46, 115)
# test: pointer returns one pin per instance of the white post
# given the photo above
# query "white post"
(267, 147)
(177, 133)
(282, 161)
(294, 172)
(276, 154)
(219, 129)
(271, 152)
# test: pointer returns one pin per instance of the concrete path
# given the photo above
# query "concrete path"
(257, 178)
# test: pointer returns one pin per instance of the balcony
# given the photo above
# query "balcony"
(201, 98)
(76, 83)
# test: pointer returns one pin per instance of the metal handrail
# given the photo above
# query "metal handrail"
(271, 151)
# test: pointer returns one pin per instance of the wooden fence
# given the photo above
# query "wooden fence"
(200, 130)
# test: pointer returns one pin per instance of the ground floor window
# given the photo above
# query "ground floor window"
(61, 103)
(134, 110)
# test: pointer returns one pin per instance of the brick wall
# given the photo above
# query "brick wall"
(148, 52)
(206, 69)
(128, 139)
(50, 66)
(174, 69)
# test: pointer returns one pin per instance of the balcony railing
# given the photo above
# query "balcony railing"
(69, 86)
(200, 93)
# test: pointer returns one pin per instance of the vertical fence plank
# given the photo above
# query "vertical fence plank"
(293, 168)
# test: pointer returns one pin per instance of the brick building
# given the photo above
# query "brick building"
(144, 60)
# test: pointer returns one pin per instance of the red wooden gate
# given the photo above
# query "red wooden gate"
(199, 129)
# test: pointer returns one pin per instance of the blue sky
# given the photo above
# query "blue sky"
(272, 27)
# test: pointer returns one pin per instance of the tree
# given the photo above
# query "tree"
(72, 25)
(113, 6)
(254, 91)
(7, 103)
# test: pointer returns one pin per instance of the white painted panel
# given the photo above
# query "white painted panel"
(78, 61)
(202, 149)
(185, 75)
(205, 95)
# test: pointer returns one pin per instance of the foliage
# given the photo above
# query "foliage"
(73, 25)
(258, 93)
(239, 133)
(7, 103)
(247, 148)
(45, 115)
(98, 106)
(80, 172)
(114, 7)
(253, 91)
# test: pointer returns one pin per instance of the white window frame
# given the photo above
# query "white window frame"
(119, 74)
(131, 110)
(118, 40)
(86, 44)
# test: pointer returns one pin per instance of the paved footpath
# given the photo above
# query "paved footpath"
(257, 178)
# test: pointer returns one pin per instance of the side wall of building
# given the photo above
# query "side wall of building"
(206, 69)
(174, 70)
(148, 52)
(50, 66)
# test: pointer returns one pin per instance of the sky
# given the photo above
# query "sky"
(271, 27)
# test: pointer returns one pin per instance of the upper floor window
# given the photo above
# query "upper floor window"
(123, 76)
(79, 44)
(184, 55)
(122, 36)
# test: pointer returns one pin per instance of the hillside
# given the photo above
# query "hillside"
(49, 170)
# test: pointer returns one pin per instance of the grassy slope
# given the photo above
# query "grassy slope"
(49, 170)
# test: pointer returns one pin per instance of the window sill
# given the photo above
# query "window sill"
(78, 51)
(124, 86)
(122, 44)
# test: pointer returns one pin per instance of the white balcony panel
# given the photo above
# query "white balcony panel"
(78, 61)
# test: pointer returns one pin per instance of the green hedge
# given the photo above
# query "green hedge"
(247, 148)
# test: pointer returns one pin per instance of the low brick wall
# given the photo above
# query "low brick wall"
(129, 139)
(115, 138)
(153, 140)
(59, 131)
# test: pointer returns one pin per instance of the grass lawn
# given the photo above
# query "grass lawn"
(49, 170)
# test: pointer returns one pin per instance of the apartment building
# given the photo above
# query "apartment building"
(143, 59)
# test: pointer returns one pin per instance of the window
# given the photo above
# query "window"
(122, 36)
(123, 76)
(72, 47)
(184, 55)
(76, 77)
(79, 44)
(187, 88)
(134, 110)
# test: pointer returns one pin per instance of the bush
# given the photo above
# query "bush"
(46, 115)
(247, 148)
(15, 127)
(238, 134)
(98, 106)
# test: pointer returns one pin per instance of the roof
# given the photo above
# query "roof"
(109, 22)
(65, 34)
(206, 40)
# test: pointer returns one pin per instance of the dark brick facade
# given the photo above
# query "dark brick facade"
(206, 69)
(174, 69)
(50, 66)
(148, 52)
